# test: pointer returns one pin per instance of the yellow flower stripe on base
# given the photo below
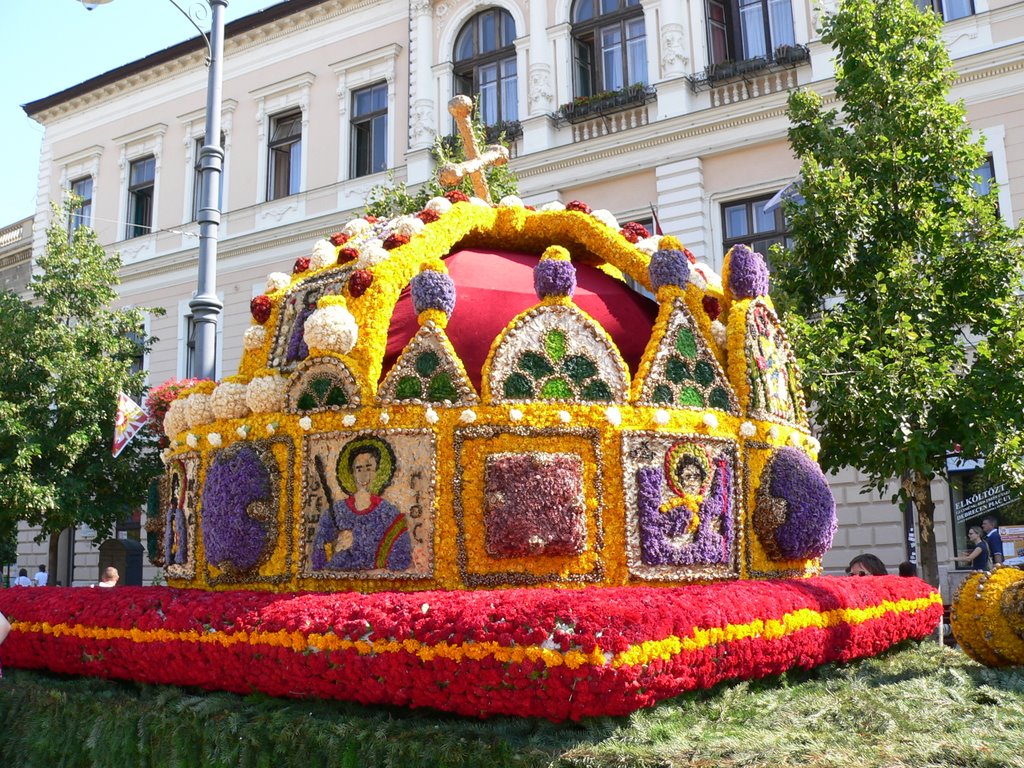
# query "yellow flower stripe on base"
(636, 655)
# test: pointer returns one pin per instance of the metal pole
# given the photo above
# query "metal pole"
(205, 305)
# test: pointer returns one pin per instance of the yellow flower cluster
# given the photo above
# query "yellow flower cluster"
(988, 617)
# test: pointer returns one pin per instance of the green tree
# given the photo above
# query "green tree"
(925, 347)
(66, 356)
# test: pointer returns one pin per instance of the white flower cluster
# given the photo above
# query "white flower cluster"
(175, 420)
(606, 218)
(719, 332)
(228, 400)
(332, 328)
(479, 201)
(648, 244)
(198, 410)
(355, 227)
(407, 225)
(439, 204)
(278, 281)
(371, 254)
(265, 394)
(511, 201)
(324, 254)
(254, 338)
(554, 205)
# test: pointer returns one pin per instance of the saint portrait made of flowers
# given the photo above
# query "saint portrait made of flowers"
(370, 514)
(681, 506)
(178, 543)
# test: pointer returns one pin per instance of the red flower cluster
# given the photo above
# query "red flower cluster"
(260, 308)
(712, 307)
(634, 231)
(346, 255)
(428, 216)
(689, 256)
(548, 653)
(338, 238)
(394, 241)
(371, 219)
(358, 282)
(456, 196)
(301, 265)
(578, 205)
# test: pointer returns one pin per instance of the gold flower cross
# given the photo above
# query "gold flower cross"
(451, 174)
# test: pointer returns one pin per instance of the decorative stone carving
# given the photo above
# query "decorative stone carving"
(541, 94)
(674, 55)
(421, 123)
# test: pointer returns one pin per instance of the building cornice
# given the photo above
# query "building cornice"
(243, 34)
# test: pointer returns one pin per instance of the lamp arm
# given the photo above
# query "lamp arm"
(206, 37)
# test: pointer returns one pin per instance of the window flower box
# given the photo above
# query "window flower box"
(587, 107)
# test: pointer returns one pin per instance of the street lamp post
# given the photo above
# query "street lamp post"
(205, 305)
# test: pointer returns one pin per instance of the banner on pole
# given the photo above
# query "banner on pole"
(129, 420)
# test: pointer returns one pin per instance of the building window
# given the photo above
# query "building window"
(747, 222)
(609, 45)
(81, 216)
(141, 181)
(369, 130)
(745, 29)
(949, 10)
(485, 65)
(285, 155)
(197, 179)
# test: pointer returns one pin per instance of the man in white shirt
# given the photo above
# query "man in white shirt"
(42, 578)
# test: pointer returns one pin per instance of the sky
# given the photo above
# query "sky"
(55, 44)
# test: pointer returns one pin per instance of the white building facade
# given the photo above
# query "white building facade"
(679, 105)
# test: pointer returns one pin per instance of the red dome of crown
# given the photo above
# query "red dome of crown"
(493, 286)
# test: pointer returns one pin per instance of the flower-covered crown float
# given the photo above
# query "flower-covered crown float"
(477, 396)
(443, 420)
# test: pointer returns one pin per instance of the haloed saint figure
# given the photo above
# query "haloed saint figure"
(363, 531)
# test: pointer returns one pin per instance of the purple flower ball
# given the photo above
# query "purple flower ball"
(433, 290)
(810, 520)
(668, 268)
(553, 277)
(748, 273)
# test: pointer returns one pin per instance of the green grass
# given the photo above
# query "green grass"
(919, 705)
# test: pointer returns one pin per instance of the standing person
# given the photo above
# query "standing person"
(977, 557)
(995, 542)
(23, 580)
(42, 578)
(110, 577)
(908, 568)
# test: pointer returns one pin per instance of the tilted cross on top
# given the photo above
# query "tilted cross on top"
(461, 107)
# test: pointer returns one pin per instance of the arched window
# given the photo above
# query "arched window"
(609, 45)
(485, 65)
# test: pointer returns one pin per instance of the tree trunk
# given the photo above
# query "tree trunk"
(919, 488)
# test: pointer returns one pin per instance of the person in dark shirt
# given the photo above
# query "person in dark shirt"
(995, 542)
(979, 556)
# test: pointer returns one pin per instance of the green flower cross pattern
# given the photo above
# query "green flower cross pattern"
(553, 374)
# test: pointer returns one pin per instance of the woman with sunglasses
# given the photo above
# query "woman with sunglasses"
(979, 556)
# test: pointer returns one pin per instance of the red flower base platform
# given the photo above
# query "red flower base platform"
(558, 654)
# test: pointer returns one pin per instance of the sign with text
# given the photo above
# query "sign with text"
(983, 502)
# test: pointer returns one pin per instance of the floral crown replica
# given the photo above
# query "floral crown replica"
(499, 478)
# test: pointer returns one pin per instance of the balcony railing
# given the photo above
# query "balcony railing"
(785, 57)
(586, 108)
